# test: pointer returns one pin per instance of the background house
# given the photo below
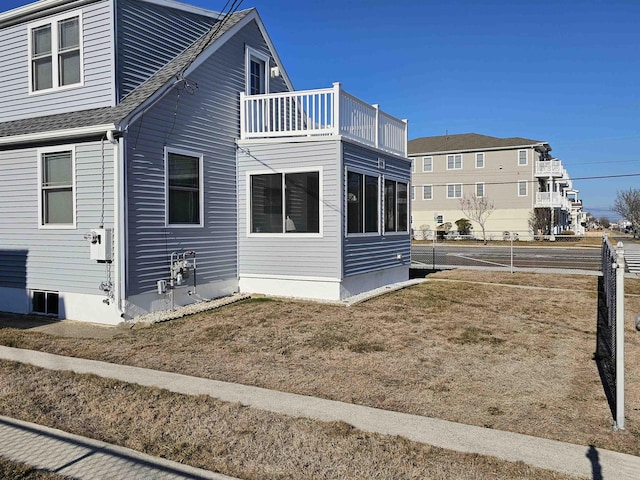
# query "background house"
(119, 165)
(517, 174)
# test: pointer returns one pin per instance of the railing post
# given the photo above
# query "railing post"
(336, 108)
(376, 133)
(406, 136)
(620, 336)
(243, 113)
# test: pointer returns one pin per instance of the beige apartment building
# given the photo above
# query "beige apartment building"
(517, 175)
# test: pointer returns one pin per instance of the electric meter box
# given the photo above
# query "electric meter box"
(100, 241)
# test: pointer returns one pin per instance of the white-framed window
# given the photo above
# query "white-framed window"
(413, 193)
(56, 53)
(479, 189)
(522, 157)
(396, 207)
(454, 162)
(427, 164)
(184, 192)
(413, 165)
(363, 200)
(57, 187)
(256, 72)
(522, 188)
(480, 160)
(285, 203)
(427, 192)
(454, 190)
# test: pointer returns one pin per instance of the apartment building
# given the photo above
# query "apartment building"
(517, 175)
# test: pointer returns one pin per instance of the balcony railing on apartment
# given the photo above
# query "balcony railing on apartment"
(549, 168)
(552, 200)
(325, 112)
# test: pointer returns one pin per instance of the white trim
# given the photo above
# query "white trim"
(53, 22)
(56, 134)
(187, 153)
(483, 159)
(454, 155)
(526, 188)
(413, 165)
(59, 148)
(251, 53)
(284, 171)
(424, 170)
(526, 152)
(423, 196)
(453, 184)
(186, 8)
(483, 190)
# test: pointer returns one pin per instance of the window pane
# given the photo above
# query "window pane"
(42, 74)
(58, 206)
(184, 189)
(266, 203)
(389, 206)
(69, 34)
(427, 164)
(57, 169)
(450, 161)
(302, 202)
(371, 204)
(458, 161)
(403, 211)
(479, 189)
(426, 192)
(52, 303)
(257, 77)
(69, 68)
(355, 193)
(41, 40)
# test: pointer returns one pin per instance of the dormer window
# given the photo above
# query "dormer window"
(55, 51)
(256, 72)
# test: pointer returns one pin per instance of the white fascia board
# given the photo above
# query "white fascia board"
(32, 11)
(487, 149)
(186, 8)
(56, 134)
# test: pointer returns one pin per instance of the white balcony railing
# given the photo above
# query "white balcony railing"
(330, 111)
(552, 200)
(549, 168)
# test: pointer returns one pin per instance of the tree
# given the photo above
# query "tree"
(443, 229)
(604, 222)
(477, 209)
(627, 205)
(464, 226)
(540, 221)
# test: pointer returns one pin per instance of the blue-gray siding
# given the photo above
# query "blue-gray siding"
(98, 87)
(149, 36)
(291, 255)
(369, 253)
(205, 122)
(49, 259)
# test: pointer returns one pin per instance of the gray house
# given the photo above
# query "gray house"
(154, 154)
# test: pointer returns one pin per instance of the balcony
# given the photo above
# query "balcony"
(549, 168)
(552, 200)
(321, 113)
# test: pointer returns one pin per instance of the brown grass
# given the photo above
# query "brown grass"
(18, 471)
(229, 438)
(503, 356)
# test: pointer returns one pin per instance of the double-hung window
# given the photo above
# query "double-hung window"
(57, 187)
(522, 157)
(184, 189)
(396, 210)
(522, 188)
(479, 160)
(480, 189)
(55, 53)
(427, 164)
(454, 162)
(362, 203)
(454, 190)
(256, 72)
(285, 202)
(427, 192)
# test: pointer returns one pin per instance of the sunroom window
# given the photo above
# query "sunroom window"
(285, 202)
(396, 211)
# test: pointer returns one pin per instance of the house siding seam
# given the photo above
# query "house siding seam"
(97, 55)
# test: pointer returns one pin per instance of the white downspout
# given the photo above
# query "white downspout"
(118, 220)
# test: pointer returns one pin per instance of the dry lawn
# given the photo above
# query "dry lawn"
(18, 471)
(511, 357)
(229, 438)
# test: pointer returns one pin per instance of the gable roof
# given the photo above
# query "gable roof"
(59, 125)
(468, 142)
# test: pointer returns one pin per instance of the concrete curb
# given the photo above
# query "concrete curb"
(548, 454)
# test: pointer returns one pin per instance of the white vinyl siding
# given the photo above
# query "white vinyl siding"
(427, 192)
(479, 160)
(57, 197)
(454, 190)
(522, 157)
(454, 162)
(522, 188)
(55, 53)
(427, 164)
(480, 189)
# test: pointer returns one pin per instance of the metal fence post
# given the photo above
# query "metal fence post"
(619, 336)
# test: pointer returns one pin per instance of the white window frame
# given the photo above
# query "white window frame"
(424, 169)
(453, 157)
(424, 197)
(284, 171)
(57, 226)
(379, 205)
(453, 185)
(483, 189)
(526, 158)
(55, 79)
(526, 188)
(382, 199)
(200, 157)
(253, 54)
(413, 192)
(480, 155)
(413, 165)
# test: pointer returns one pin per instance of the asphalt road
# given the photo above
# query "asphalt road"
(446, 254)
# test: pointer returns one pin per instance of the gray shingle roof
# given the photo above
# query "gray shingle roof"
(465, 141)
(115, 115)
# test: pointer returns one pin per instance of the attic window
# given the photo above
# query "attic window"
(256, 72)
(55, 53)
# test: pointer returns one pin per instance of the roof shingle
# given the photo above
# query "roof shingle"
(465, 142)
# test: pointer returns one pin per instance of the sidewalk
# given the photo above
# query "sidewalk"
(548, 454)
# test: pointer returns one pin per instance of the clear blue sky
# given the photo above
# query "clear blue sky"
(562, 71)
